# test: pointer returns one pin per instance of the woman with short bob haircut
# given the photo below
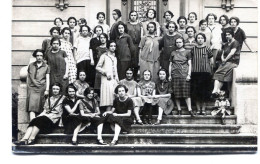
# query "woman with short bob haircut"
(168, 15)
(46, 44)
(151, 15)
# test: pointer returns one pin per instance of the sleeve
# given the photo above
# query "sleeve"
(131, 45)
(210, 55)
(217, 103)
(161, 43)
(91, 44)
(48, 70)
(81, 106)
(170, 90)
(227, 103)
(76, 43)
(115, 103)
(235, 45)
(172, 55)
(29, 69)
(192, 53)
(243, 35)
(142, 42)
(100, 64)
(130, 105)
(64, 54)
(64, 102)
(188, 55)
(44, 46)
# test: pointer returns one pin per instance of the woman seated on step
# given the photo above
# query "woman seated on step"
(46, 121)
(120, 115)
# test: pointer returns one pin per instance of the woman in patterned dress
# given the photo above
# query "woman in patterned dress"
(67, 47)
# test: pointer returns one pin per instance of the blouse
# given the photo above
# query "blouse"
(38, 73)
(146, 88)
(80, 86)
(200, 59)
(180, 65)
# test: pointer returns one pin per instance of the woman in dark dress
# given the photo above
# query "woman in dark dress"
(120, 115)
(45, 122)
(46, 44)
(72, 120)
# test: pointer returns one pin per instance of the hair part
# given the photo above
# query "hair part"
(57, 19)
(169, 12)
(182, 17)
(70, 19)
(36, 51)
(120, 86)
(201, 34)
(196, 17)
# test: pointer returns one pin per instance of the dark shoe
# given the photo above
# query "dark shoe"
(149, 121)
(192, 114)
(74, 142)
(31, 142)
(179, 112)
(101, 142)
(113, 143)
(214, 95)
(21, 142)
(139, 122)
(144, 121)
(158, 122)
(223, 121)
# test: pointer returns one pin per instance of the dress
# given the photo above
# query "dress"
(70, 121)
(67, 47)
(114, 31)
(46, 46)
(146, 90)
(144, 24)
(57, 66)
(216, 39)
(132, 86)
(35, 95)
(108, 64)
(201, 73)
(50, 116)
(81, 86)
(179, 73)
(100, 51)
(149, 57)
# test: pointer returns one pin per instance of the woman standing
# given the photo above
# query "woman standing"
(182, 22)
(168, 15)
(74, 34)
(223, 21)
(149, 52)
(120, 115)
(125, 50)
(151, 15)
(135, 30)
(38, 82)
(201, 73)
(203, 29)
(190, 42)
(101, 22)
(67, 47)
(107, 66)
(46, 44)
(81, 85)
(45, 122)
(180, 67)
(114, 31)
(192, 20)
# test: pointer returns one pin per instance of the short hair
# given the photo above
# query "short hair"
(202, 21)
(120, 86)
(181, 39)
(55, 28)
(55, 39)
(196, 17)
(154, 11)
(118, 12)
(229, 30)
(109, 42)
(165, 70)
(129, 69)
(80, 30)
(192, 28)
(236, 18)
(83, 20)
(36, 51)
(98, 26)
(153, 23)
(225, 16)
(172, 22)
(57, 84)
(101, 13)
(211, 14)
(121, 23)
(88, 90)
(203, 35)
(70, 19)
(105, 35)
(169, 12)
(81, 70)
(133, 11)
(147, 70)
(70, 86)
(59, 19)
(182, 17)
(64, 29)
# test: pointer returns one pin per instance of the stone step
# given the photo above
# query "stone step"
(208, 111)
(133, 149)
(248, 139)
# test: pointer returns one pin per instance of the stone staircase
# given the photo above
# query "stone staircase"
(176, 135)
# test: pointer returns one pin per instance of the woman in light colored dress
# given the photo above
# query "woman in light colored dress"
(151, 16)
(67, 47)
(107, 66)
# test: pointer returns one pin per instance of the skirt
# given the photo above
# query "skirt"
(43, 123)
(107, 92)
(70, 122)
(97, 81)
(137, 101)
(165, 103)
(181, 88)
(35, 99)
(200, 86)
(225, 72)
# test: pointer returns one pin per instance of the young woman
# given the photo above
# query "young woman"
(202, 62)
(45, 122)
(182, 22)
(58, 22)
(100, 50)
(46, 44)
(168, 15)
(82, 22)
(135, 30)
(81, 85)
(95, 42)
(58, 62)
(72, 120)
(223, 21)
(240, 35)
(72, 23)
(84, 55)
(119, 116)
(168, 44)
(125, 50)
(203, 29)
(149, 51)
(67, 47)
(163, 95)
(38, 83)
(132, 89)
(101, 22)
(180, 67)
(107, 66)
(190, 42)
(192, 20)
(151, 15)
(114, 30)
(145, 90)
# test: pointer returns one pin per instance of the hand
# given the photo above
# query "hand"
(104, 114)
(73, 114)
(92, 115)
(170, 78)
(46, 93)
(115, 114)
(108, 77)
(188, 78)
(65, 77)
(92, 62)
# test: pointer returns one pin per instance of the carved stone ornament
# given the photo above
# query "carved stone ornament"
(124, 2)
(227, 4)
(62, 4)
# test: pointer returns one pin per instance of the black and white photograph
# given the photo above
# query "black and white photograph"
(134, 77)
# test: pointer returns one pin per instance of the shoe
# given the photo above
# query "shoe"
(149, 121)
(21, 142)
(139, 122)
(113, 143)
(214, 95)
(203, 113)
(144, 121)
(223, 121)
(192, 114)
(134, 122)
(101, 142)
(74, 142)
(179, 112)
(31, 142)
(158, 122)
(198, 112)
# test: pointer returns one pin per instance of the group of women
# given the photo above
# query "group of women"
(93, 73)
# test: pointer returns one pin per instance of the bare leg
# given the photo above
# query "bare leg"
(178, 103)
(198, 106)
(136, 112)
(35, 131)
(117, 132)
(188, 102)
(32, 115)
(99, 131)
(75, 133)
(27, 133)
(214, 53)
(160, 113)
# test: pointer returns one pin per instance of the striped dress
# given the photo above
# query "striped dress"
(201, 73)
